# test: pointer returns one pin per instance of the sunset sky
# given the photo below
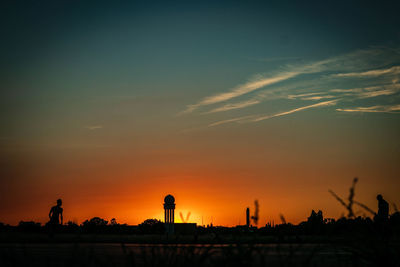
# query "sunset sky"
(113, 105)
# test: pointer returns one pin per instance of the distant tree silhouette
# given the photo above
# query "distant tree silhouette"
(71, 227)
(395, 219)
(95, 221)
(94, 225)
(113, 221)
(30, 226)
(72, 224)
(152, 226)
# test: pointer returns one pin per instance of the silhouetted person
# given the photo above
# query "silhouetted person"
(56, 214)
(383, 209)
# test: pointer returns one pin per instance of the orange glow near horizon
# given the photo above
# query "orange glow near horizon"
(214, 182)
(219, 201)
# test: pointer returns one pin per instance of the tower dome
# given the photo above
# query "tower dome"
(169, 200)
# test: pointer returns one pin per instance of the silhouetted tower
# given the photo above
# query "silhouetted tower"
(248, 217)
(169, 213)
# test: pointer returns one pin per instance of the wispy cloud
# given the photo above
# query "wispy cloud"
(372, 109)
(238, 105)
(318, 97)
(369, 92)
(94, 127)
(258, 83)
(320, 104)
(352, 90)
(371, 73)
(347, 62)
(380, 91)
(239, 119)
(304, 95)
(241, 90)
(310, 96)
(257, 118)
(375, 72)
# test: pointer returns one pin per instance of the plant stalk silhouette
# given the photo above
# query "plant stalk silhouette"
(351, 201)
(255, 217)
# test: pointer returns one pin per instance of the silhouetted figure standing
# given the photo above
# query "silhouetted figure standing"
(56, 214)
(383, 210)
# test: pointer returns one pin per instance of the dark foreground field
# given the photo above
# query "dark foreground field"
(100, 254)
(354, 253)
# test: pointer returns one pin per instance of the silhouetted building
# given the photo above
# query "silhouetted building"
(185, 228)
(169, 213)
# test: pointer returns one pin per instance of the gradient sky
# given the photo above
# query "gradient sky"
(111, 106)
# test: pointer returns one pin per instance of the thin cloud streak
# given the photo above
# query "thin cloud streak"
(94, 127)
(255, 118)
(371, 73)
(318, 97)
(311, 96)
(380, 90)
(372, 109)
(239, 119)
(369, 92)
(320, 104)
(238, 105)
(353, 90)
(241, 90)
(303, 95)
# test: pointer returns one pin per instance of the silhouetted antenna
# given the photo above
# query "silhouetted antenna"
(248, 217)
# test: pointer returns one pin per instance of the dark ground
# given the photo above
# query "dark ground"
(246, 250)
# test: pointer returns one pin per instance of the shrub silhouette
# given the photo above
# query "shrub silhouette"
(153, 226)
(96, 224)
(29, 226)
